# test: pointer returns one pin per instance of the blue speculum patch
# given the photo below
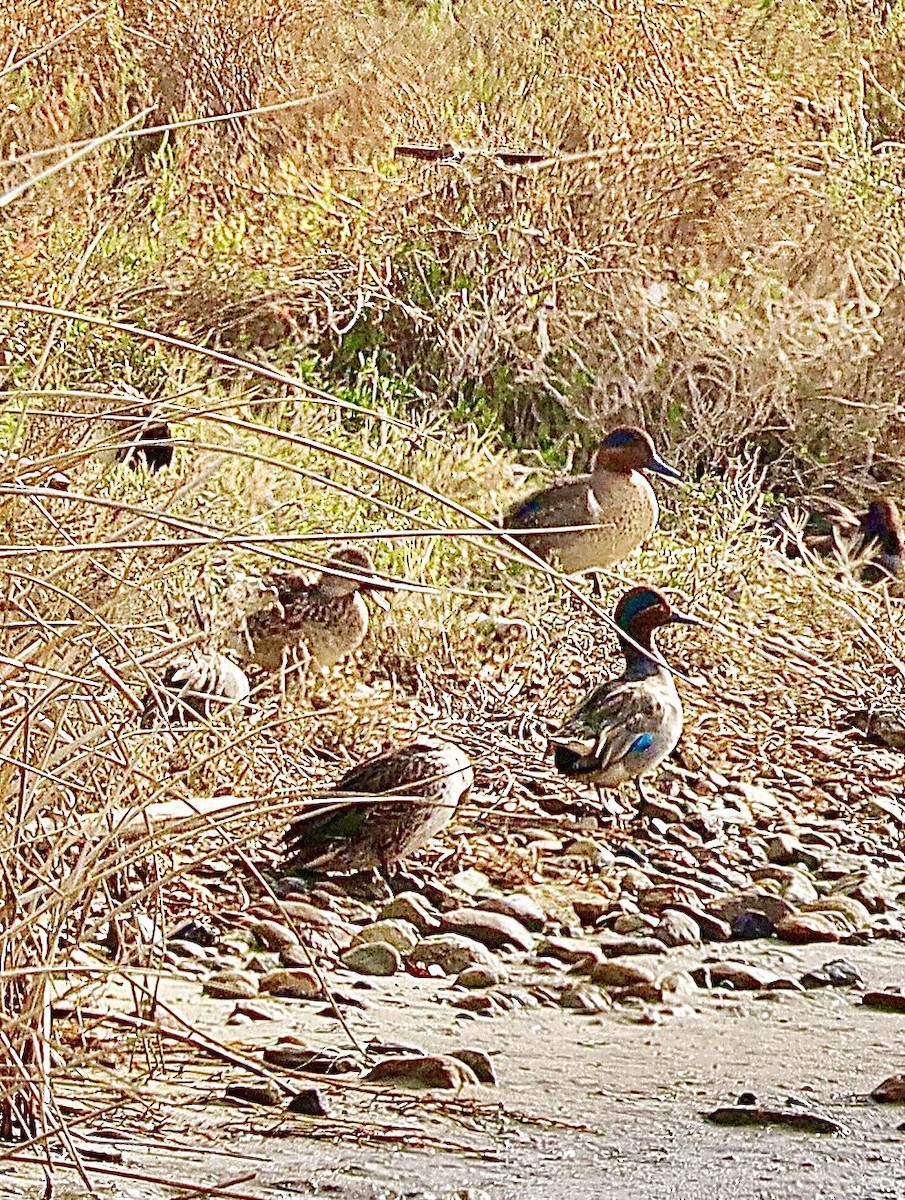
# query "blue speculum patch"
(642, 742)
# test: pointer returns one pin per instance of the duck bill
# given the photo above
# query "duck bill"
(659, 467)
(680, 618)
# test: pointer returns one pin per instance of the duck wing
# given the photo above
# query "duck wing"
(541, 508)
(614, 720)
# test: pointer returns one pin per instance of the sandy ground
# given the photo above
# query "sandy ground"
(603, 1106)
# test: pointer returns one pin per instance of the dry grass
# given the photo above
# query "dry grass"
(716, 250)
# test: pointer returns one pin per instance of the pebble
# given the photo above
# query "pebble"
(259, 1092)
(295, 956)
(570, 950)
(451, 952)
(481, 976)
(892, 1000)
(410, 907)
(291, 982)
(292, 1056)
(232, 985)
(742, 977)
(853, 910)
(614, 945)
(273, 935)
(308, 1103)
(728, 908)
(789, 1117)
(676, 928)
(479, 1062)
(190, 950)
(622, 972)
(837, 973)
(373, 958)
(634, 923)
(585, 998)
(299, 910)
(202, 931)
(890, 1091)
(520, 907)
(590, 908)
(431, 1071)
(747, 926)
(800, 928)
(395, 931)
(262, 963)
(492, 929)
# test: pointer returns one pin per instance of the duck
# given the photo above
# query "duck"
(625, 727)
(195, 687)
(430, 778)
(872, 542)
(327, 617)
(615, 498)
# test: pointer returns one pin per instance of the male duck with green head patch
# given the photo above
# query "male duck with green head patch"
(589, 522)
(626, 727)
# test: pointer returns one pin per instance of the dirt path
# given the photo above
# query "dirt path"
(628, 1087)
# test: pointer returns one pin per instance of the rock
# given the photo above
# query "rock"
(785, 849)
(590, 908)
(295, 956)
(660, 810)
(292, 982)
(728, 907)
(307, 1103)
(629, 923)
(273, 935)
(254, 1012)
(294, 1057)
(432, 1071)
(615, 946)
(748, 926)
(656, 899)
(481, 976)
(517, 905)
(232, 985)
(256, 1092)
(741, 977)
(585, 998)
(262, 963)
(712, 928)
(853, 910)
(677, 986)
(588, 850)
(789, 1117)
(451, 952)
(890, 1091)
(837, 973)
(300, 911)
(410, 907)
(677, 929)
(492, 929)
(474, 1002)
(373, 958)
(800, 928)
(621, 972)
(470, 881)
(202, 931)
(190, 950)
(479, 1062)
(396, 931)
(570, 950)
(888, 1001)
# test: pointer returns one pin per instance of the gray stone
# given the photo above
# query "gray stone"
(479, 1062)
(258, 1091)
(451, 953)
(232, 985)
(433, 1071)
(677, 929)
(625, 972)
(570, 950)
(615, 945)
(409, 906)
(373, 958)
(800, 928)
(481, 976)
(517, 905)
(396, 931)
(292, 982)
(492, 929)
(273, 935)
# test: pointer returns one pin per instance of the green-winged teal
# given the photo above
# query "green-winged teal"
(328, 617)
(624, 728)
(872, 543)
(195, 687)
(615, 497)
(416, 789)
